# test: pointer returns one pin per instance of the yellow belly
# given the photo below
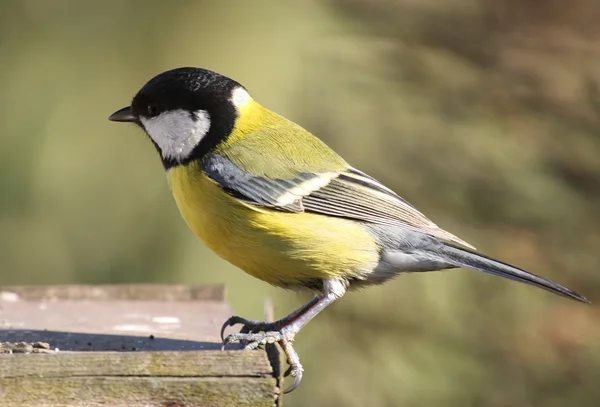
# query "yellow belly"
(283, 249)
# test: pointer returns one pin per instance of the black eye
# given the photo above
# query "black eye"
(152, 110)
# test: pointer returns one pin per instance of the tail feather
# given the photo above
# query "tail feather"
(465, 258)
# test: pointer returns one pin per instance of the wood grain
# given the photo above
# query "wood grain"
(127, 345)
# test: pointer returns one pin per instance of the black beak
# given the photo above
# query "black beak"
(123, 115)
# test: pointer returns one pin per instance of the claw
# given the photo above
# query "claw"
(235, 320)
(295, 384)
(295, 370)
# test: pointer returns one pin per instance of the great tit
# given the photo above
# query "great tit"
(274, 200)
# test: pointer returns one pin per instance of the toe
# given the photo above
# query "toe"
(297, 374)
(234, 320)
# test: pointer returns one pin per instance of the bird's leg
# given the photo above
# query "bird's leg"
(250, 326)
(287, 330)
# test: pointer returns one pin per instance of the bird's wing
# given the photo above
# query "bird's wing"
(348, 193)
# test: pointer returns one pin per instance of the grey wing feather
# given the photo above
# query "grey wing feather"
(356, 195)
(349, 194)
(282, 194)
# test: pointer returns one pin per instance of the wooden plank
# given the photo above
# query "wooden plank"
(168, 364)
(68, 320)
(115, 325)
(188, 379)
(136, 392)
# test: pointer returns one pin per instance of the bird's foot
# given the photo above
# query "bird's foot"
(253, 340)
(249, 326)
(256, 333)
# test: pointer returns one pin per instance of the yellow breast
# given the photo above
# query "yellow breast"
(283, 249)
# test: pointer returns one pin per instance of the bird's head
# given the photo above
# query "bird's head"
(185, 111)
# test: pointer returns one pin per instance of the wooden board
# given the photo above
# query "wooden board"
(130, 345)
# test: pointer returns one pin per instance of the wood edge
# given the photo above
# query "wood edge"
(107, 292)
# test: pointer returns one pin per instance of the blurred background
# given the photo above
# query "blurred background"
(482, 113)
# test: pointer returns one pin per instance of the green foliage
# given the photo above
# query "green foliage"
(482, 113)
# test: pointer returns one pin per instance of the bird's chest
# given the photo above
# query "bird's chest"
(219, 220)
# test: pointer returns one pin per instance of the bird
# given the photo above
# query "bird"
(274, 200)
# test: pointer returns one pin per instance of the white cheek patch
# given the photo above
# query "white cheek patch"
(177, 132)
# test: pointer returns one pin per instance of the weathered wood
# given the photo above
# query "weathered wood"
(190, 364)
(147, 345)
(109, 321)
(211, 378)
(168, 364)
(136, 392)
